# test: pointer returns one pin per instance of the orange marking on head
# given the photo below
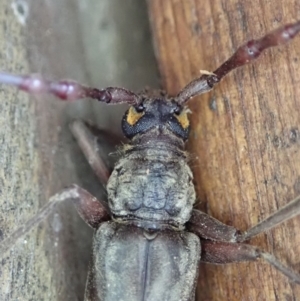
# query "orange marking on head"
(133, 116)
(183, 119)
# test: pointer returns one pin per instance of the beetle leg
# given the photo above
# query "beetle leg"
(205, 226)
(224, 252)
(89, 208)
(223, 245)
(287, 212)
(89, 139)
(68, 89)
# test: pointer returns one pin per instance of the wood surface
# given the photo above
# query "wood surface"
(87, 41)
(49, 263)
(245, 138)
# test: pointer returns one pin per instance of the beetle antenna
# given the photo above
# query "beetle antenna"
(68, 90)
(244, 55)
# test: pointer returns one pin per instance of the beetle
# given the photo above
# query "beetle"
(149, 217)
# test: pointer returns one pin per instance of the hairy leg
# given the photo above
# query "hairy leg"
(92, 211)
(222, 243)
(224, 252)
(207, 227)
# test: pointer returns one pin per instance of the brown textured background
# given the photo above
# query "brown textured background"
(245, 141)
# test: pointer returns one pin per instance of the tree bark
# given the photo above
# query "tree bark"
(245, 138)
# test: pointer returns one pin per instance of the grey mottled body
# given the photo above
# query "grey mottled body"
(130, 264)
(151, 185)
(150, 189)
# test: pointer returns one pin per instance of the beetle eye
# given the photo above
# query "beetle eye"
(140, 108)
(177, 109)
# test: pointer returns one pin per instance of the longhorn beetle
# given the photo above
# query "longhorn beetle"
(149, 240)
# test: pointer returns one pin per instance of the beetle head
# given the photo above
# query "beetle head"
(160, 113)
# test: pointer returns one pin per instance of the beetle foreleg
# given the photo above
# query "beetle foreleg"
(95, 145)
